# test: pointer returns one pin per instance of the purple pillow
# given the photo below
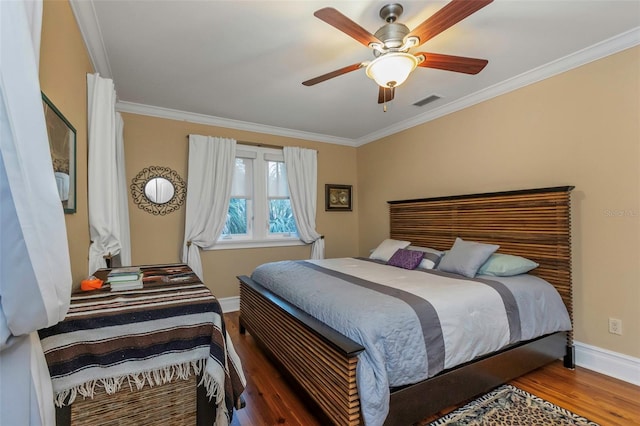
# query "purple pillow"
(407, 259)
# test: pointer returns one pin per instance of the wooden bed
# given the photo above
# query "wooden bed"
(532, 223)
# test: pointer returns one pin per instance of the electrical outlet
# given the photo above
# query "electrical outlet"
(615, 326)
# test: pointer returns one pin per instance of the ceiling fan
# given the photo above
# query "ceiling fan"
(391, 44)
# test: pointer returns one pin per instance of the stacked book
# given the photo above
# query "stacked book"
(128, 278)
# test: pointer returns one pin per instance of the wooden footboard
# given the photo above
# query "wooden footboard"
(322, 361)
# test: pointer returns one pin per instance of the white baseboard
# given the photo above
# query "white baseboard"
(607, 362)
(230, 304)
(603, 361)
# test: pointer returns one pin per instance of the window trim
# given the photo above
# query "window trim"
(262, 155)
(244, 244)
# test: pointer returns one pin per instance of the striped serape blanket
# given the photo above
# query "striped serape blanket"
(168, 330)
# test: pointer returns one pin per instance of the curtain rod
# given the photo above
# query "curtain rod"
(263, 145)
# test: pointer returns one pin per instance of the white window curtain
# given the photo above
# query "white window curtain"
(210, 177)
(302, 173)
(107, 186)
(35, 271)
(123, 195)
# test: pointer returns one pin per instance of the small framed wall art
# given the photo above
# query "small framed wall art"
(62, 144)
(337, 197)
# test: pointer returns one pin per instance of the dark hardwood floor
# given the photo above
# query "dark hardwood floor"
(270, 400)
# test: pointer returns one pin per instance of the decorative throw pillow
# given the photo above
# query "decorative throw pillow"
(506, 265)
(466, 257)
(407, 259)
(387, 248)
(431, 256)
(430, 261)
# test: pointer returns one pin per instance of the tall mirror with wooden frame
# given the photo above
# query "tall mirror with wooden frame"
(62, 143)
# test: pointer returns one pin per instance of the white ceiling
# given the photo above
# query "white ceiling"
(240, 64)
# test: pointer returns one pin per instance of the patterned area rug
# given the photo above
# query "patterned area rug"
(508, 405)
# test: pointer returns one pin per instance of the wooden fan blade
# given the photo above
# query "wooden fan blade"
(385, 94)
(449, 15)
(332, 74)
(452, 63)
(336, 19)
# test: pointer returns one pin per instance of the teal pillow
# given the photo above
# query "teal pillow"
(506, 265)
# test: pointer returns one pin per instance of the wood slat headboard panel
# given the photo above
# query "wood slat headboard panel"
(535, 224)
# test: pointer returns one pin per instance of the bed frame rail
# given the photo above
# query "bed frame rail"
(413, 403)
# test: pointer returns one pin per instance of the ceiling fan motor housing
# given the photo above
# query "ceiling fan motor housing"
(392, 35)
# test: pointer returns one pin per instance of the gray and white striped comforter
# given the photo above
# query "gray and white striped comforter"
(414, 323)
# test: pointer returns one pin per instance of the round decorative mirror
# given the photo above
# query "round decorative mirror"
(158, 190)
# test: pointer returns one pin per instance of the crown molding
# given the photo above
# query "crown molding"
(172, 114)
(89, 26)
(600, 50)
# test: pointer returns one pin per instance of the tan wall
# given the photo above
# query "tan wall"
(153, 141)
(579, 128)
(64, 64)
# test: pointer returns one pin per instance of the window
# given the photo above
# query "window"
(259, 208)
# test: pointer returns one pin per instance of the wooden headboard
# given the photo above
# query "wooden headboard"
(534, 223)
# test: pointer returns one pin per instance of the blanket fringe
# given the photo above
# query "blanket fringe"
(212, 387)
(214, 391)
(155, 377)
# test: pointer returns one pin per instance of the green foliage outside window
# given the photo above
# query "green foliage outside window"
(281, 217)
(236, 217)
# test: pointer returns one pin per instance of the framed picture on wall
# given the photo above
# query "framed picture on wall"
(62, 144)
(337, 197)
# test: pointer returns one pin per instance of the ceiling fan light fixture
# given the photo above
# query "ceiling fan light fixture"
(391, 69)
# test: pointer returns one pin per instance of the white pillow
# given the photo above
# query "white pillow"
(387, 248)
(431, 256)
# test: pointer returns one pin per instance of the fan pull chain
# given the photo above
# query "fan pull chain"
(384, 100)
